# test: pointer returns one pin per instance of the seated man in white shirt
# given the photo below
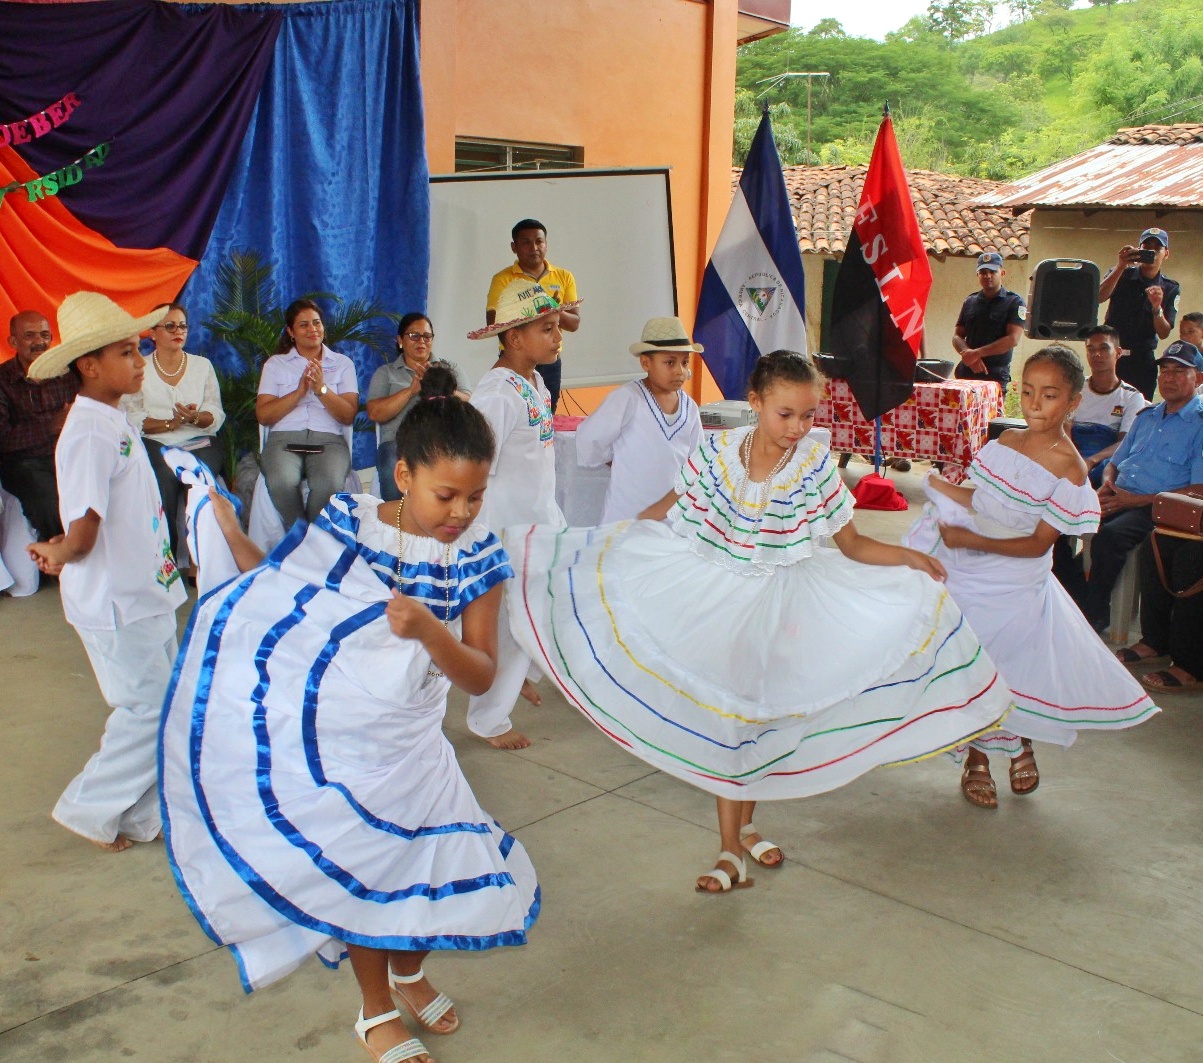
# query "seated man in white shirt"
(1108, 407)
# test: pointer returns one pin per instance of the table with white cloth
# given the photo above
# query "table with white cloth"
(581, 492)
(943, 422)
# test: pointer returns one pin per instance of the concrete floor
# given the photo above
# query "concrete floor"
(905, 926)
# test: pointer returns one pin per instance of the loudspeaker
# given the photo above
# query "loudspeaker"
(1063, 300)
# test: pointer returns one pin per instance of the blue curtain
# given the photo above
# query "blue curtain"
(331, 185)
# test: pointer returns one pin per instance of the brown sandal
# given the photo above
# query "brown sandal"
(978, 786)
(1023, 767)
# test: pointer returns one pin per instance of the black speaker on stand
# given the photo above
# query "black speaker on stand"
(1063, 299)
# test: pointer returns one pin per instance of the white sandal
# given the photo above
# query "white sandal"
(757, 851)
(410, 1049)
(433, 1011)
(726, 885)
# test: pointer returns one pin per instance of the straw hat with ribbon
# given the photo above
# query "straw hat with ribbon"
(88, 321)
(665, 334)
(520, 302)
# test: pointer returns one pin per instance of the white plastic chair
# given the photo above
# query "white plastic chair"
(266, 527)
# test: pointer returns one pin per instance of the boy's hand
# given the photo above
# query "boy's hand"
(406, 618)
(46, 557)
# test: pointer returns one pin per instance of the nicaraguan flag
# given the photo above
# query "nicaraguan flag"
(753, 293)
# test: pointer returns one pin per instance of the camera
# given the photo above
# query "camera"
(1146, 254)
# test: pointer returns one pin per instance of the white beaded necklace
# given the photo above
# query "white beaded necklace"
(766, 485)
(431, 673)
(169, 377)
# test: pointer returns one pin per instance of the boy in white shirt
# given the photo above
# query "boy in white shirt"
(646, 429)
(1108, 407)
(119, 584)
(522, 480)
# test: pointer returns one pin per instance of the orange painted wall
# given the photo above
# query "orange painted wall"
(634, 82)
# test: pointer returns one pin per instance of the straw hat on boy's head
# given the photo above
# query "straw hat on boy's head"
(88, 321)
(520, 302)
(666, 335)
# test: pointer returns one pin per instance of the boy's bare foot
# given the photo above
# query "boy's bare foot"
(531, 692)
(512, 739)
(117, 845)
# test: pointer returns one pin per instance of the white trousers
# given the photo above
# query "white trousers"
(118, 790)
(489, 713)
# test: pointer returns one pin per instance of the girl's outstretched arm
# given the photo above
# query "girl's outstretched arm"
(957, 492)
(659, 510)
(470, 664)
(1035, 545)
(246, 554)
(869, 551)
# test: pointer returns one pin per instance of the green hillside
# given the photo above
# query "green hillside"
(987, 104)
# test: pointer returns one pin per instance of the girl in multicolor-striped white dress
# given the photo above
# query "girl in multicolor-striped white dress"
(995, 535)
(733, 648)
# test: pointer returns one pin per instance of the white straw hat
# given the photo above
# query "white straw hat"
(88, 321)
(665, 334)
(520, 302)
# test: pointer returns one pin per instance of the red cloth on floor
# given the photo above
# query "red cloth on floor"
(877, 492)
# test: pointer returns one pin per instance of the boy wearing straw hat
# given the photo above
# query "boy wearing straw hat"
(646, 429)
(522, 480)
(119, 584)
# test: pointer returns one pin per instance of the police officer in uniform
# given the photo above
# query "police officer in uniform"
(1142, 304)
(990, 325)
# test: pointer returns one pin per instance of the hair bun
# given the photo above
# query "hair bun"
(439, 381)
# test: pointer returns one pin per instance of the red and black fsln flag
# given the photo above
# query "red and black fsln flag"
(881, 290)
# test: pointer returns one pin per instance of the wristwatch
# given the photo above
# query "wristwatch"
(322, 390)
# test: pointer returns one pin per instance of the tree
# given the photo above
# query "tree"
(957, 20)
(1022, 9)
(827, 27)
(790, 146)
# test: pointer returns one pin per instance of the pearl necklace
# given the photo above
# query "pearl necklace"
(431, 673)
(766, 485)
(170, 377)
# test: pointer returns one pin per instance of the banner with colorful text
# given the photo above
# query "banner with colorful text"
(118, 135)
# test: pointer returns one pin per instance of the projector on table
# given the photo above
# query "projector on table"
(727, 413)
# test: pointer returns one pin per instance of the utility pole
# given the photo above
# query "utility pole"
(778, 79)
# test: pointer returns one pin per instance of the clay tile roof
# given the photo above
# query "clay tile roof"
(824, 200)
(1185, 133)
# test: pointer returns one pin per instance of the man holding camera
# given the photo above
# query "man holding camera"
(1142, 304)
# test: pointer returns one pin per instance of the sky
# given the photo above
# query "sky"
(861, 18)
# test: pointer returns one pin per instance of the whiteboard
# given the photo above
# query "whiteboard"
(611, 228)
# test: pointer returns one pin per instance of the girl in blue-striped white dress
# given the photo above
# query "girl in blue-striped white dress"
(311, 802)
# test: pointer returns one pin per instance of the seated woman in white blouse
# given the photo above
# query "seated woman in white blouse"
(307, 395)
(179, 406)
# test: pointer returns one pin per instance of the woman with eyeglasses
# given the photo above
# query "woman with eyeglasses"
(308, 395)
(179, 406)
(394, 389)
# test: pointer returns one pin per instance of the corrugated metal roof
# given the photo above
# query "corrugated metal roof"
(824, 200)
(1148, 167)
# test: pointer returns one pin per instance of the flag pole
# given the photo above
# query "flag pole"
(878, 456)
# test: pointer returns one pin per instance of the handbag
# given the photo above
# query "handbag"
(1180, 511)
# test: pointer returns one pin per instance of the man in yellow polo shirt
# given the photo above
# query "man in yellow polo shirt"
(529, 244)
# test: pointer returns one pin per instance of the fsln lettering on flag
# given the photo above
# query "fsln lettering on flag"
(753, 295)
(880, 298)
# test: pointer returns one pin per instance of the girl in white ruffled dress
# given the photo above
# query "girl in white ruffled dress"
(732, 647)
(995, 535)
(311, 803)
